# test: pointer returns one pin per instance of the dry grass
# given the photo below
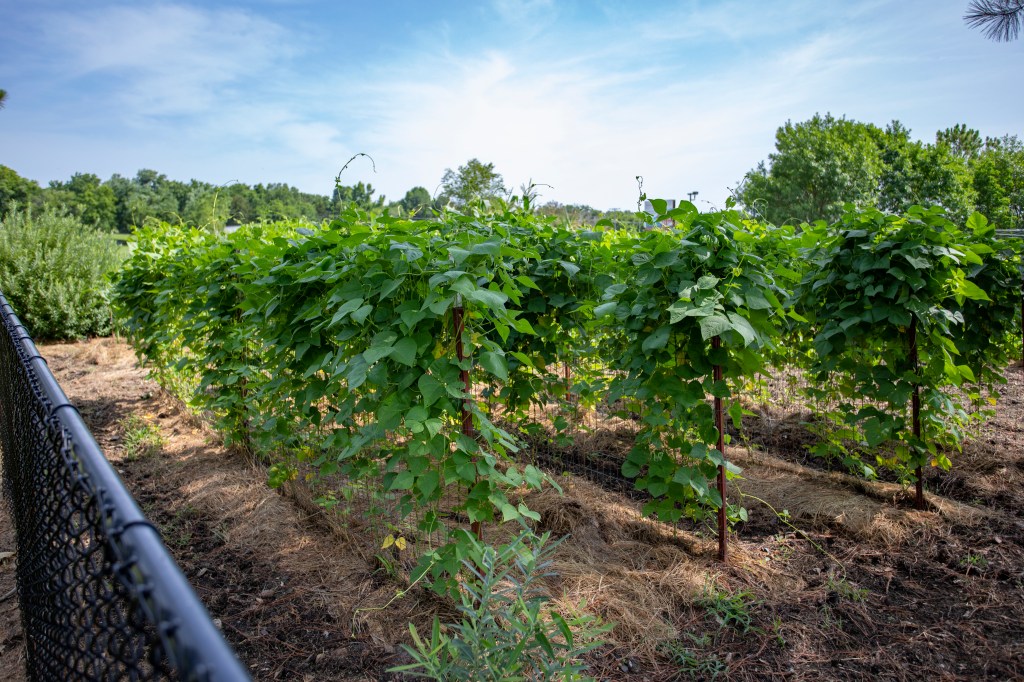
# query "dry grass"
(646, 577)
(642, 575)
(865, 509)
(651, 579)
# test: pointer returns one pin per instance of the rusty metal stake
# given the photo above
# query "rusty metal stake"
(467, 417)
(243, 385)
(916, 411)
(716, 343)
(567, 375)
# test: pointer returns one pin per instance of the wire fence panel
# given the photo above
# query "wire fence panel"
(101, 598)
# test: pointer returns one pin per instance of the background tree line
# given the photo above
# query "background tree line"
(821, 164)
(119, 203)
(818, 166)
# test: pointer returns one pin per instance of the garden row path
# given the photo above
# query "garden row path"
(852, 584)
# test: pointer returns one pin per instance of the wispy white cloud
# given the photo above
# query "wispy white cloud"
(169, 59)
(203, 82)
(580, 96)
(581, 123)
(529, 15)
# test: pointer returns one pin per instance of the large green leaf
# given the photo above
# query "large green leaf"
(495, 363)
(657, 339)
(404, 351)
(714, 325)
(492, 299)
(430, 388)
(741, 325)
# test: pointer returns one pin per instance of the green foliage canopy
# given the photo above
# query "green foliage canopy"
(475, 181)
(818, 166)
(353, 324)
(53, 271)
(875, 282)
(999, 182)
(824, 163)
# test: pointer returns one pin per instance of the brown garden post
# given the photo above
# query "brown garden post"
(467, 418)
(916, 410)
(716, 343)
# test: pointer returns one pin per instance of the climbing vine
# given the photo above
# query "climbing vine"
(406, 354)
(897, 309)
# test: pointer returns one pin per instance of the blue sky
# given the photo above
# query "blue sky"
(581, 96)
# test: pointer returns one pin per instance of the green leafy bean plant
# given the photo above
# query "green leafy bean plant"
(365, 316)
(179, 297)
(558, 297)
(153, 292)
(990, 336)
(347, 348)
(348, 345)
(675, 292)
(781, 250)
(898, 309)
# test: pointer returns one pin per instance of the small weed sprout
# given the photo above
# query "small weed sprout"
(141, 438)
(972, 560)
(693, 663)
(178, 531)
(780, 639)
(829, 619)
(730, 610)
(845, 590)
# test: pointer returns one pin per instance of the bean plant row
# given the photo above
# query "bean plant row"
(344, 348)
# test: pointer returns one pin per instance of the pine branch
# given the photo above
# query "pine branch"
(1000, 20)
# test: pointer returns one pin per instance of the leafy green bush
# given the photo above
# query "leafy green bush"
(898, 312)
(506, 633)
(52, 270)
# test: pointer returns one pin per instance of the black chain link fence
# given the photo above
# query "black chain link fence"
(101, 598)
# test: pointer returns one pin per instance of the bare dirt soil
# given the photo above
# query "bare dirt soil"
(847, 583)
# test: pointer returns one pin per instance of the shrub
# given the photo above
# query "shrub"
(52, 271)
(506, 632)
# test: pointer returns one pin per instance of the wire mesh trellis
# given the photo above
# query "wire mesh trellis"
(571, 429)
(100, 596)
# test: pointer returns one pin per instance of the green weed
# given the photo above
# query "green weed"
(730, 609)
(780, 639)
(692, 661)
(506, 631)
(140, 438)
(972, 560)
(842, 587)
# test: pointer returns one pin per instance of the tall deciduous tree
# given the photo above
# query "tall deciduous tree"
(821, 164)
(206, 206)
(15, 189)
(999, 182)
(87, 198)
(359, 194)
(416, 201)
(923, 174)
(818, 166)
(472, 182)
